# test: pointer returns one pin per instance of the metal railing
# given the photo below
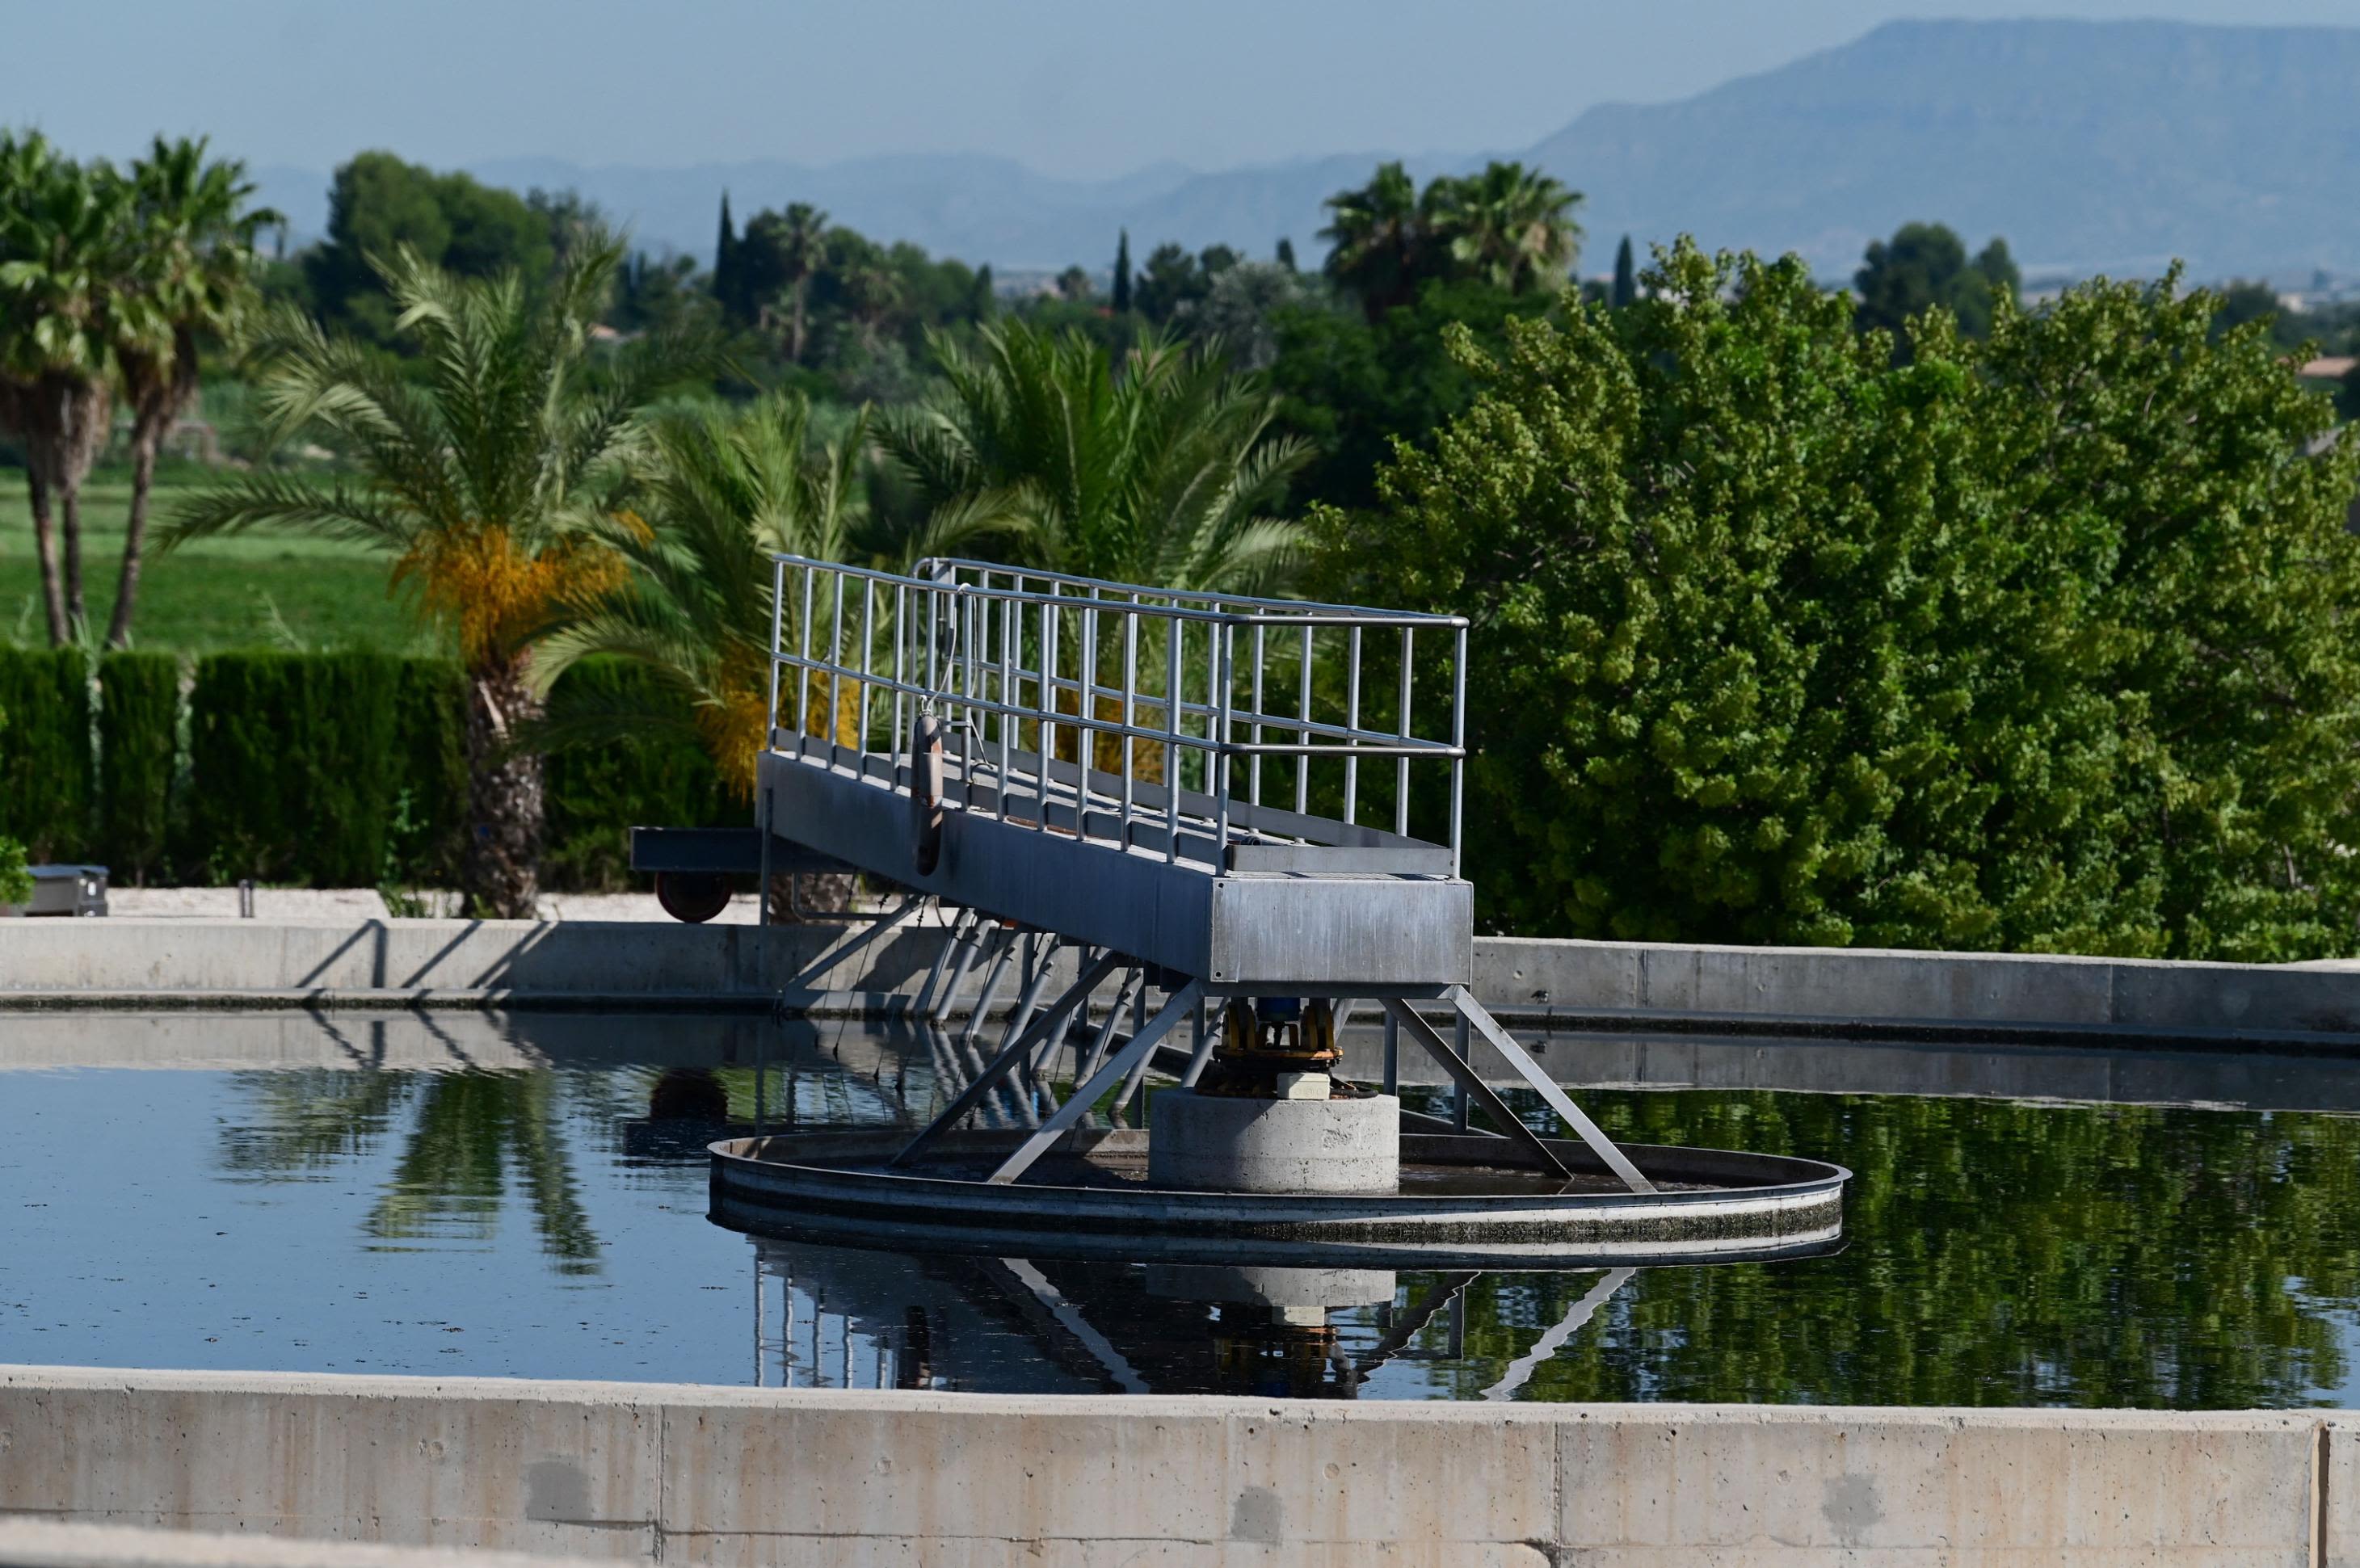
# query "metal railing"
(1128, 715)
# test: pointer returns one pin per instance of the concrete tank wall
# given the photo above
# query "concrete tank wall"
(583, 964)
(707, 1474)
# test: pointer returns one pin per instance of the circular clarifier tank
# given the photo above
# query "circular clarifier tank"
(1460, 1198)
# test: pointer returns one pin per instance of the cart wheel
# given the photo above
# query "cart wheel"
(694, 897)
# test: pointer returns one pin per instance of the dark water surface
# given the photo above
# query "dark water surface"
(491, 1196)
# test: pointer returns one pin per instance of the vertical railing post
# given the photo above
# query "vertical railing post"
(1086, 738)
(1352, 728)
(1457, 741)
(778, 624)
(1400, 767)
(1303, 736)
(1224, 654)
(1008, 623)
(803, 669)
(868, 636)
(1172, 688)
(1130, 710)
(902, 618)
(1047, 688)
(1253, 767)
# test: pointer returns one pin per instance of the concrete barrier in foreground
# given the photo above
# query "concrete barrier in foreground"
(38, 1543)
(584, 964)
(708, 1475)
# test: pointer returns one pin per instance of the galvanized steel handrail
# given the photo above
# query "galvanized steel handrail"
(986, 649)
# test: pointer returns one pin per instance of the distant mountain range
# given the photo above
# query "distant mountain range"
(2090, 145)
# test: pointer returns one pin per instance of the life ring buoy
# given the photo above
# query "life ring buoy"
(927, 793)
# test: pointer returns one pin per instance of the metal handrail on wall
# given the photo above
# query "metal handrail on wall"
(1210, 693)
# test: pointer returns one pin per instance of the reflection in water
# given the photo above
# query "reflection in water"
(539, 1182)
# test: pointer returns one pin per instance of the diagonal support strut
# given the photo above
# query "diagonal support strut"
(1011, 1053)
(1510, 1125)
(1558, 1101)
(1181, 1004)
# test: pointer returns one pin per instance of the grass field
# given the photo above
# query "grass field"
(253, 591)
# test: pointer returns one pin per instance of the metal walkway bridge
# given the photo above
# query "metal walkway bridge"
(1174, 782)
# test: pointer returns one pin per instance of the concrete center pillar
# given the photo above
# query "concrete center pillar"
(1232, 1143)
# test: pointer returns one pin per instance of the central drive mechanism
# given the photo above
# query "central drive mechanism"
(1269, 1116)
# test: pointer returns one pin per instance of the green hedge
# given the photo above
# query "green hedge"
(597, 794)
(138, 744)
(291, 768)
(430, 797)
(45, 752)
(344, 770)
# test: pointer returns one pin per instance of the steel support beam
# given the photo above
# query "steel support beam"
(1009, 1055)
(830, 961)
(1178, 1005)
(1472, 1012)
(1510, 1125)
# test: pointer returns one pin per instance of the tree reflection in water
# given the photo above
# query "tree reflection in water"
(1999, 1253)
(470, 1134)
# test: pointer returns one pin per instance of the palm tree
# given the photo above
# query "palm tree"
(802, 245)
(481, 478)
(1377, 234)
(714, 495)
(1511, 225)
(1165, 474)
(197, 257)
(63, 301)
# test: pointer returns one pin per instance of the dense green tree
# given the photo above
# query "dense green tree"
(1626, 276)
(1121, 300)
(1285, 256)
(379, 205)
(662, 296)
(1172, 280)
(1241, 311)
(1355, 388)
(2035, 643)
(1925, 264)
(1074, 285)
(571, 220)
(724, 264)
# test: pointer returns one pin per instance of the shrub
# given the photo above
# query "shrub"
(292, 762)
(138, 732)
(15, 885)
(597, 794)
(430, 800)
(45, 764)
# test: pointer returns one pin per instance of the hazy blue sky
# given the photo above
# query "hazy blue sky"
(1068, 87)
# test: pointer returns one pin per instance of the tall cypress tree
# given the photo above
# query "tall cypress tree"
(1122, 275)
(1286, 252)
(1626, 277)
(725, 262)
